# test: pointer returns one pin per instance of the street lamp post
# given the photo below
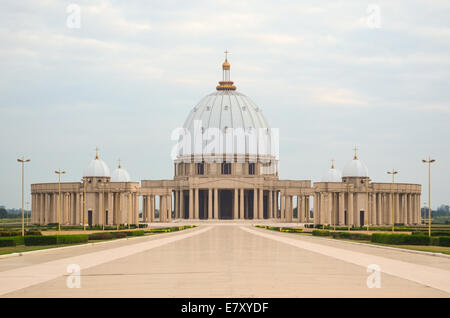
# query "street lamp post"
(22, 160)
(393, 173)
(429, 161)
(59, 172)
(28, 212)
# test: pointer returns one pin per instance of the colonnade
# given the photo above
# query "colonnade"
(198, 203)
(115, 208)
(359, 208)
(287, 208)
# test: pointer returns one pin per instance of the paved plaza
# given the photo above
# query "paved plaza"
(225, 260)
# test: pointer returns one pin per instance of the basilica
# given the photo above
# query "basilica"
(226, 167)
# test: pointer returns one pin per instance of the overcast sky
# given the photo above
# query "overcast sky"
(329, 74)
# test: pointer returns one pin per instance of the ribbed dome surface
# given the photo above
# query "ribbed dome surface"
(332, 175)
(355, 168)
(97, 168)
(120, 175)
(225, 111)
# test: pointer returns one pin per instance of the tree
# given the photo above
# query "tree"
(3, 213)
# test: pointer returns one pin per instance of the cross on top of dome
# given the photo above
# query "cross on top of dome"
(355, 156)
(226, 84)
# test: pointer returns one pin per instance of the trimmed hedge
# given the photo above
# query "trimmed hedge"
(72, 239)
(321, 233)
(6, 241)
(351, 236)
(35, 240)
(10, 233)
(433, 233)
(33, 232)
(119, 234)
(101, 236)
(136, 233)
(400, 239)
(444, 241)
(19, 233)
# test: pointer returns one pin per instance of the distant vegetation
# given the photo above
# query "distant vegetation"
(11, 213)
(439, 216)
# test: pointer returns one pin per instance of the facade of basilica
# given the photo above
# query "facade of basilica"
(226, 167)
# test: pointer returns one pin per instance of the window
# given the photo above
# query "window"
(226, 168)
(201, 168)
(251, 168)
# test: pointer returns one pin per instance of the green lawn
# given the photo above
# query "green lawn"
(13, 220)
(423, 248)
(23, 248)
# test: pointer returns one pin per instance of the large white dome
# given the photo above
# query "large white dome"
(355, 168)
(96, 168)
(221, 113)
(120, 175)
(332, 175)
(226, 108)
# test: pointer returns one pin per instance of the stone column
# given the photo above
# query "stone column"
(41, 208)
(151, 207)
(191, 203)
(235, 204)
(373, 202)
(397, 208)
(389, 206)
(341, 216)
(287, 207)
(210, 204)
(316, 208)
(261, 204)
(275, 204)
(216, 204)
(162, 208)
(169, 197)
(181, 212)
(270, 204)
(307, 208)
(322, 209)
(300, 209)
(255, 204)
(350, 219)
(409, 204)
(418, 217)
(241, 204)
(283, 207)
(329, 215)
(177, 204)
(405, 209)
(196, 206)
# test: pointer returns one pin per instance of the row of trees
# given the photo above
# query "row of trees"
(10, 213)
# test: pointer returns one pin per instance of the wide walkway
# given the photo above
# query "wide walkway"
(230, 260)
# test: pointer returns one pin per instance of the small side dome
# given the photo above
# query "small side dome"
(355, 168)
(332, 175)
(120, 175)
(97, 168)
